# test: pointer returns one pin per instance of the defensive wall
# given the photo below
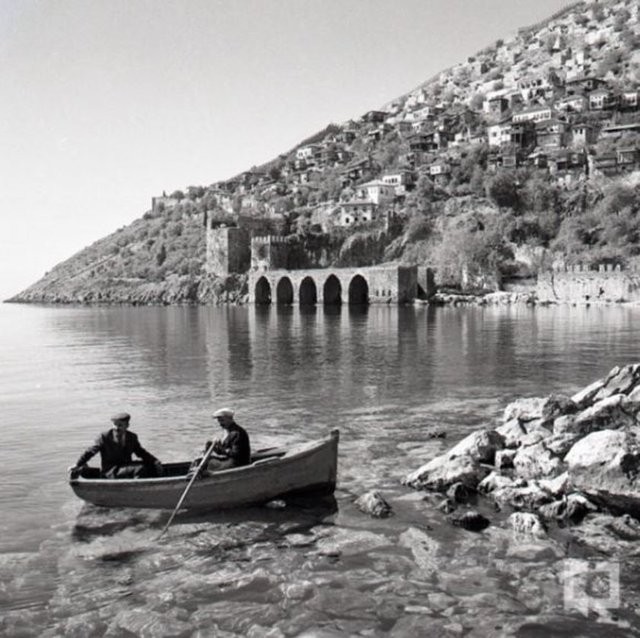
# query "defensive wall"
(371, 284)
(280, 271)
(228, 250)
(581, 283)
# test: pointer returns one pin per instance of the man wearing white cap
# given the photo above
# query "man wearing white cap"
(233, 450)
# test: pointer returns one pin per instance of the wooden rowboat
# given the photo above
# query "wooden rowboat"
(274, 473)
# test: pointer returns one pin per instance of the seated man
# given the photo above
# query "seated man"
(233, 450)
(116, 447)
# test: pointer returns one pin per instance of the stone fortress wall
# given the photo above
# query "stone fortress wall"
(228, 250)
(270, 252)
(274, 261)
(581, 283)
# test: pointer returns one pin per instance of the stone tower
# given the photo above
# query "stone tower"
(270, 252)
(228, 249)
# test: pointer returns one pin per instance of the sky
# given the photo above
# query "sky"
(106, 103)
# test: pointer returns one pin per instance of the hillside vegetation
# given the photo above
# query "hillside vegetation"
(523, 155)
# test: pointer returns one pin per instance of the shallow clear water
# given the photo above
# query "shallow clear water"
(383, 375)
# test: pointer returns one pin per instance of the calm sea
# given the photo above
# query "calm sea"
(383, 375)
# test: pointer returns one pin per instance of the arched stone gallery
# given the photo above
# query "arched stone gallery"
(333, 286)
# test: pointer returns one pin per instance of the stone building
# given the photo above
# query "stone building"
(228, 249)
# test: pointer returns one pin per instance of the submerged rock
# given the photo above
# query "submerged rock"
(527, 524)
(472, 521)
(459, 493)
(373, 503)
(447, 505)
(572, 509)
(425, 549)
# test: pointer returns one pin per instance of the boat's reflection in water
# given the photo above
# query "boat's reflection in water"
(293, 514)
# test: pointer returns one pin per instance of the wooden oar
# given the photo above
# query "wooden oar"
(205, 458)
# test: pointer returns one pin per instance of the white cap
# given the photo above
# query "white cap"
(223, 412)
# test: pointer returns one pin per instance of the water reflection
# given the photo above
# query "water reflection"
(382, 374)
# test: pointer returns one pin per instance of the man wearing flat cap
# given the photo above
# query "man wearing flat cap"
(233, 449)
(116, 446)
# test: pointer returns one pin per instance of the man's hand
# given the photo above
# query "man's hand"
(217, 447)
(74, 470)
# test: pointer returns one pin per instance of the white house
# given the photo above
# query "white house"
(376, 191)
(498, 134)
(308, 152)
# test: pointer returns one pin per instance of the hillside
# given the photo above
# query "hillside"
(522, 155)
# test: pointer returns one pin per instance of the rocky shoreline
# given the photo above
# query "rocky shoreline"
(504, 298)
(175, 290)
(572, 462)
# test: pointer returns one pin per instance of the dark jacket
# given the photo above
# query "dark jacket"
(235, 446)
(112, 454)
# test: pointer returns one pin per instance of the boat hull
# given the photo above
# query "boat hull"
(308, 467)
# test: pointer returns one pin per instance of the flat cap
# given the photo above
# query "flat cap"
(120, 416)
(223, 412)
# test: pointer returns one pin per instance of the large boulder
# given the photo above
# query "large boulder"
(584, 397)
(609, 413)
(605, 466)
(522, 497)
(442, 472)
(619, 381)
(596, 449)
(512, 432)
(560, 444)
(556, 486)
(481, 446)
(524, 409)
(461, 464)
(536, 461)
(557, 405)
(493, 482)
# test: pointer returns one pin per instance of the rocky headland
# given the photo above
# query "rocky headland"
(557, 461)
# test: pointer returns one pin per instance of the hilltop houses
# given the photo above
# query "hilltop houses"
(548, 97)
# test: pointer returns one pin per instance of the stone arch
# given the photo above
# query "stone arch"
(263, 291)
(284, 291)
(308, 293)
(358, 291)
(332, 290)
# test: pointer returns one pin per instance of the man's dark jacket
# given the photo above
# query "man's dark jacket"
(112, 454)
(235, 446)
